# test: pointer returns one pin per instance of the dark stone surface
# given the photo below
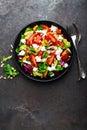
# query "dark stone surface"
(29, 105)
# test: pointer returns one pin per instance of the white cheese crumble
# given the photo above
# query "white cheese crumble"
(51, 68)
(35, 46)
(27, 62)
(42, 48)
(44, 59)
(23, 41)
(35, 69)
(59, 51)
(58, 57)
(53, 28)
(42, 31)
(38, 58)
(60, 38)
(22, 53)
(65, 65)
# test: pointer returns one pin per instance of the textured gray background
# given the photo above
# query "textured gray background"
(29, 105)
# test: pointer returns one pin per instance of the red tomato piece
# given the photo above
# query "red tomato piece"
(40, 53)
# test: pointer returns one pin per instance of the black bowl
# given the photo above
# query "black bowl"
(16, 43)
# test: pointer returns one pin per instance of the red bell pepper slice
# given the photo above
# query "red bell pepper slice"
(58, 43)
(38, 38)
(51, 59)
(51, 38)
(30, 40)
(45, 27)
(33, 60)
(65, 54)
(58, 31)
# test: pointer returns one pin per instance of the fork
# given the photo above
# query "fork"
(76, 37)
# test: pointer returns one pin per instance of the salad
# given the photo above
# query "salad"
(43, 51)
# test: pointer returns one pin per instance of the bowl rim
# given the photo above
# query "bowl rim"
(15, 54)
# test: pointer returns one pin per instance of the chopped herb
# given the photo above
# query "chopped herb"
(67, 44)
(39, 27)
(22, 36)
(42, 67)
(10, 71)
(28, 29)
(35, 73)
(59, 68)
(17, 50)
(20, 44)
(50, 73)
(4, 58)
(45, 54)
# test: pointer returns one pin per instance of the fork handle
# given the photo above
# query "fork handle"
(81, 71)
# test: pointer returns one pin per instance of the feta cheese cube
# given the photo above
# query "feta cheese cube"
(58, 57)
(53, 28)
(65, 65)
(38, 58)
(27, 62)
(44, 59)
(21, 53)
(51, 68)
(59, 51)
(23, 41)
(60, 38)
(35, 69)
(42, 31)
(35, 46)
(42, 48)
